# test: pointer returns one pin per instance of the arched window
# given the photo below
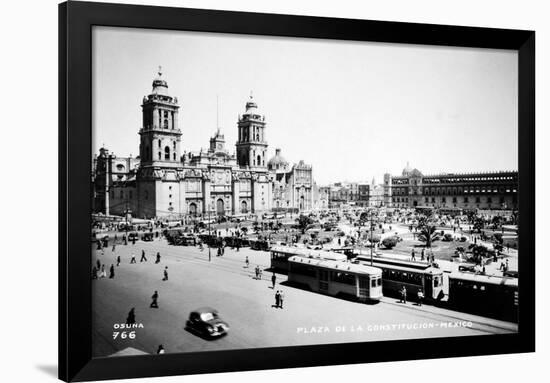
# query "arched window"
(259, 160)
(160, 143)
(160, 156)
(167, 153)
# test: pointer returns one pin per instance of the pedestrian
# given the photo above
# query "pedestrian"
(131, 318)
(277, 299)
(422, 254)
(420, 295)
(273, 280)
(94, 272)
(133, 239)
(247, 262)
(143, 256)
(103, 272)
(160, 350)
(413, 256)
(158, 257)
(165, 273)
(133, 260)
(281, 298)
(155, 297)
(115, 240)
(257, 271)
(118, 261)
(404, 294)
(112, 272)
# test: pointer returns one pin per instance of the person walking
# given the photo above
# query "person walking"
(160, 350)
(413, 255)
(281, 298)
(247, 262)
(273, 280)
(103, 272)
(133, 260)
(277, 299)
(112, 272)
(118, 261)
(155, 297)
(143, 257)
(165, 273)
(257, 271)
(125, 238)
(420, 295)
(133, 239)
(422, 254)
(131, 318)
(158, 257)
(403, 295)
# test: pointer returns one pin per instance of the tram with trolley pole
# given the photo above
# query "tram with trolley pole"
(414, 276)
(281, 254)
(488, 295)
(336, 278)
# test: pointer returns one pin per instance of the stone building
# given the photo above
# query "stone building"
(166, 182)
(484, 190)
(293, 187)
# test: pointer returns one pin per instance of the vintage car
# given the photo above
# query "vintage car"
(206, 322)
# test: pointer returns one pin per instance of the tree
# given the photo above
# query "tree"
(303, 222)
(428, 235)
(389, 242)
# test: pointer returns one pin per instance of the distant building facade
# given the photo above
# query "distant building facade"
(484, 190)
(164, 181)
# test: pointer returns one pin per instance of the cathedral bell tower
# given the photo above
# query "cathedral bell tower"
(251, 144)
(160, 134)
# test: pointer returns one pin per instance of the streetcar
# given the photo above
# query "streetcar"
(397, 273)
(336, 278)
(281, 254)
(489, 295)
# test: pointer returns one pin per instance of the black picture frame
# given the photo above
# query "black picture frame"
(75, 105)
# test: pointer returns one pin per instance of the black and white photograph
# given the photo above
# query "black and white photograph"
(254, 191)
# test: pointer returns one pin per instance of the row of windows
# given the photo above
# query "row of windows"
(459, 190)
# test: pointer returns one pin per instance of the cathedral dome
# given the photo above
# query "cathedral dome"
(251, 107)
(160, 86)
(407, 170)
(277, 161)
(415, 173)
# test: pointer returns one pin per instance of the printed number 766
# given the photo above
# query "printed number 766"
(124, 334)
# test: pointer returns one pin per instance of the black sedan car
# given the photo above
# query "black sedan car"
(206, 322)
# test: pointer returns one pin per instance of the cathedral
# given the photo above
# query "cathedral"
(164, 182)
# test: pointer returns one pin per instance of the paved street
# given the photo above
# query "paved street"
(246, 304)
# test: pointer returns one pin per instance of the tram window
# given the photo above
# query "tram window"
(373, 283)
(379, 281)
(474, 287)
(436, 281)
(341, 277)
(482, 288)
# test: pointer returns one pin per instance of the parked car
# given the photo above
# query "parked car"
(206, 322)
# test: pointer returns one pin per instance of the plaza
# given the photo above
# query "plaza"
(246, 304)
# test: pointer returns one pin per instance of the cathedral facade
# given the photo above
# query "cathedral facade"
(164, 182)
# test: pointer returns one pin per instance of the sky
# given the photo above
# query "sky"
(353, 110)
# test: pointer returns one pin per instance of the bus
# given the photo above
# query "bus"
(488, 295)
(397, 273)
(336, 278)
(281, 254)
